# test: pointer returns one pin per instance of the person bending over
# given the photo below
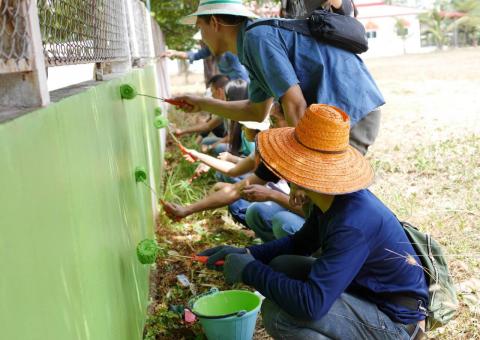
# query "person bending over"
(357, 286)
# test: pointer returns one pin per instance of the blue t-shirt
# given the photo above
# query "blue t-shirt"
(362, 248)
(228, 63)
(277, 59)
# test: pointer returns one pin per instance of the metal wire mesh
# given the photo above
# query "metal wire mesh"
(141, 21)
(83, 31)
(15, 47)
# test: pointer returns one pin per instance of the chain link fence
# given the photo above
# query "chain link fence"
(15, 49)
(142, 27)
(81, 31)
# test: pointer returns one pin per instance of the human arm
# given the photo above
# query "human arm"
(331, 274)
(261, 193)
(227, 168)
(227, 156)
(222, 197)
(203, 127)
(235, 110)
(191, 56)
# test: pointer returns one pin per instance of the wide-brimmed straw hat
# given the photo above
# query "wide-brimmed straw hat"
(316, 155)
(210, 7)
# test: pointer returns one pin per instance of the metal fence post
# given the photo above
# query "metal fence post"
(24, 89)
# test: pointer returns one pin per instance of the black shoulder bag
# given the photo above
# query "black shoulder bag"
(338, 30)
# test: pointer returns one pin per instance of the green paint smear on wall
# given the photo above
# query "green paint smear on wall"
(72, 215)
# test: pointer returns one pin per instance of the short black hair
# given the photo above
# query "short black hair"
(236, 90)
(218, 80)
(225, 18)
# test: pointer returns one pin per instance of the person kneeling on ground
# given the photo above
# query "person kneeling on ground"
(356, 287)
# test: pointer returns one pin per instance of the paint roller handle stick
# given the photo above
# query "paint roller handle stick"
(204, 259)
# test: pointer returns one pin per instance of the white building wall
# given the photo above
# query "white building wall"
(387, 42)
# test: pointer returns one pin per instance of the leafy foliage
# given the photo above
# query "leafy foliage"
(168, 14)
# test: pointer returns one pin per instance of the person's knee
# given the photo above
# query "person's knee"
(253, 214)
(279, 263)
(286, 223)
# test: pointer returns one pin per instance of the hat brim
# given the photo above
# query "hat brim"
(327, 173)
(261, 126)
(191, 19)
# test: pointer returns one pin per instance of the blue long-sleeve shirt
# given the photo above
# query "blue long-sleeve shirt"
(362, 246)
(228, 63)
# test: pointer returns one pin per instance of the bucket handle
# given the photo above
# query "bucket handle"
(212, 290)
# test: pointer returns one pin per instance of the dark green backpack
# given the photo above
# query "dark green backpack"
(443, 301)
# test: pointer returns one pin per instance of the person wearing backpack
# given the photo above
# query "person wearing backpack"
(365, 270)
(293, 68)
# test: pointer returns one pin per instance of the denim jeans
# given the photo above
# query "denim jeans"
(238, 210)
(349, 318)
(222, 147)
(271, 221)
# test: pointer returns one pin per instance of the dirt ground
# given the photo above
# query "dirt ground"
(427, 162)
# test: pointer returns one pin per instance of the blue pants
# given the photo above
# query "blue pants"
(238, 209)
(271, 221)
(349, 318)
(222, 147)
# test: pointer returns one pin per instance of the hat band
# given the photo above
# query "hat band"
(327, 152)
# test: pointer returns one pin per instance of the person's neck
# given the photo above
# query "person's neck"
(230, 42)
(323, 201)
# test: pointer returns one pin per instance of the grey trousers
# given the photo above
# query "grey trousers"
(349, 318)
(364, 133)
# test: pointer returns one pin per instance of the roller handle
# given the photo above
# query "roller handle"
(204, 259)
(179, 103)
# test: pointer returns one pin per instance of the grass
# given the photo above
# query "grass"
(427, 163)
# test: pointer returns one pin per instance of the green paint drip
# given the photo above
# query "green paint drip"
(158, 111)
(140, 174)
(147, 251)
(160, 122)
(127, 91)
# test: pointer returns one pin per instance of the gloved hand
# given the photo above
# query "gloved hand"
(234, 266)
(219, 253)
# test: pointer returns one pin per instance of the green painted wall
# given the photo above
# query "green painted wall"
(72, 214)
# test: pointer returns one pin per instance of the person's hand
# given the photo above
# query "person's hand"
(191, 155)
(205, 148)
(174, 211)
(218, 253)
(256, 193)
(234, 266)
(174, 54)
(298, 198)
(199, 171)
(178, 132)
(224, 156)
(190, 103)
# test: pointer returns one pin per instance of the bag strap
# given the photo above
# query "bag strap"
(297, 25)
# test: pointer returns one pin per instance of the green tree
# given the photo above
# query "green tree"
(401, 28)
(470, 22)
(168, 14)
(437, 25)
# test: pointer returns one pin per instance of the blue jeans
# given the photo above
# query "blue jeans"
(271, 221)
(238, 210)
(349, 318)
(224, 178)
(222, 147)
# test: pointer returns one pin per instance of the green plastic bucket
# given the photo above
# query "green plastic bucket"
(227, 315)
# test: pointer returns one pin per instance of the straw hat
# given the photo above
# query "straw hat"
(316, 155)
(209, 7)
(261, 126)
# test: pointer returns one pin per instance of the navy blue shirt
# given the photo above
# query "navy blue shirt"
(228, 63)
(277, 59)
(362, 249)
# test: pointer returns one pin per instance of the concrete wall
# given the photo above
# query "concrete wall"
(72, 214)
